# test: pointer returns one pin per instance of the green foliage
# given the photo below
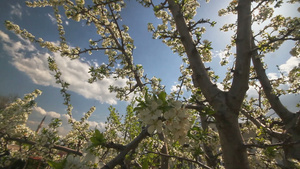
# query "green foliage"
(270, 152)
(197, 133)
(97, 139)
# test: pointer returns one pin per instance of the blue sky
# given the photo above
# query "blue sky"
(23, 65)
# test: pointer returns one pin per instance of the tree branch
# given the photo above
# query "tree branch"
(200, 76)
(57, 147)
(115, 146)
(195, 107)
(276, 104)
(258, 124)
(283, 38)
(130, 146)
(243, 56)
(258, 5)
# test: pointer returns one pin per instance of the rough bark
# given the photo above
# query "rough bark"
(234, 152)
(226, 105)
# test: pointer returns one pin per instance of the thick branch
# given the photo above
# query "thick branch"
(115, 146)
(243, 55)
(195, 107)
(200, 76)
(276, 104)
(130, 146)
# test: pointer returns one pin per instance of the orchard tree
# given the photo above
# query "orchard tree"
(159, 129)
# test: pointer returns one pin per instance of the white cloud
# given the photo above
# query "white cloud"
(38, 114)
(53, 20)
(184, 92)
(76, 73)
(27, 45)
(272, 76)
(65, 128)
(286, 67)
(16, 10)
(4, 37)
(290, 64)
(252, 92)
(100, 126)
(26, 58)
(43, 112)
(36, 68)
(16, 49)
(221, 54)
(175, 88)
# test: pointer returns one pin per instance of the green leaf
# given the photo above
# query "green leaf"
(145, 164)
(270, 151)
(209, 111)
(97, 139)
(162, 96)
(156, 8)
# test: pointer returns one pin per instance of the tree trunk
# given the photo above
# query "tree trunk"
(233, 150)
(229, 104)
(292, 148)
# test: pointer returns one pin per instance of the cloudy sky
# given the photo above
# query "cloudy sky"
(23, 65)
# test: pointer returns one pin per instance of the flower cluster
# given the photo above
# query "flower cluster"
(177, 122)
(14, 117)
(163, 115)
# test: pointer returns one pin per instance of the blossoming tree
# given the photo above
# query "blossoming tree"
(159, 129)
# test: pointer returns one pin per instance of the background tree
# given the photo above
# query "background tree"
(5, 100)
(181, 132)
